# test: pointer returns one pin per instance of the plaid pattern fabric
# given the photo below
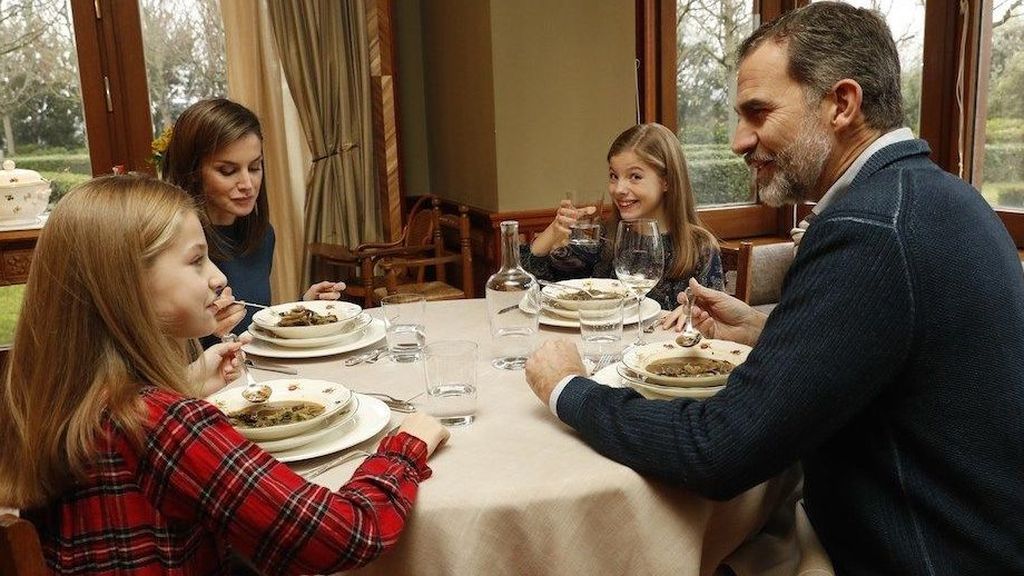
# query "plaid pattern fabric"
(199, 490)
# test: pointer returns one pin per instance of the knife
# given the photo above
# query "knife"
(267, 366)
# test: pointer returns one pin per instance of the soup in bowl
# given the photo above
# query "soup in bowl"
(669, 364)
(296, 406)
(313, 319)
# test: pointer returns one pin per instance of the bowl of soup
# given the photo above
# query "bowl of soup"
(313, 319)
(568, 295)
(296, 406)
(707, 364)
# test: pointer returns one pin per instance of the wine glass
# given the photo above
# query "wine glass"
(639, 261)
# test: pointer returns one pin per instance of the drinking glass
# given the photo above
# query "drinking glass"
(585, 233)
(403, 322)
(639, 261)
(601, 327)
(449, 367)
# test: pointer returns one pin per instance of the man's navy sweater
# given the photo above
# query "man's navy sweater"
(892, 368)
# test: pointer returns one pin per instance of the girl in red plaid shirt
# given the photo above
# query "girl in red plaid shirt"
(108, 447)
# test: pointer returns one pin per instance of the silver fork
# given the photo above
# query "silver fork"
(346, 457)
(602, 362)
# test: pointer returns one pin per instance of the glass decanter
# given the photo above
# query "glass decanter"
(513, 305)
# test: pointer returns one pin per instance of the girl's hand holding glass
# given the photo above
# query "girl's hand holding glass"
(324, 291)
(557, 233)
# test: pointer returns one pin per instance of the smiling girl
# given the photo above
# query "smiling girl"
(108, 449)
(647, 178)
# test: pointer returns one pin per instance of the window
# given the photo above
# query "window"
(185, 60)
(40, 97)
(707, 36)
(999, 164)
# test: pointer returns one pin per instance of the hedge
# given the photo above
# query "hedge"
(1004, 162)
(720, 181)
(74, 163)
(61, 182)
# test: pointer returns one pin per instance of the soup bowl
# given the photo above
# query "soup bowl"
(313, 319)
(296, 406)
(564, 297)
(705, 365)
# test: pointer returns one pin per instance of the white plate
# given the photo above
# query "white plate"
(374, 333)
(638, 358)
(648, 308)
(331, 395)
(609, 376)
(335, 422)
(628, 309)
(359, 328)
(371, 417)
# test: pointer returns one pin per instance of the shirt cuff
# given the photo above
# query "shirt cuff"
(553, 400)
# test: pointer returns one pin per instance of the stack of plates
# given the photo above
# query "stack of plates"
(352, 334)
(348, 418)
(560, 305)
(639, 371)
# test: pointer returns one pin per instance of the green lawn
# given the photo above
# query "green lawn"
(10, 306)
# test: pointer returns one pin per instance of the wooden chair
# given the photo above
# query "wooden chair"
(361, 277)
(405, 263)
(20, 551)
(760, 270)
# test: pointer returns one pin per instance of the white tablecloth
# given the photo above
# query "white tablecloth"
(518, 492)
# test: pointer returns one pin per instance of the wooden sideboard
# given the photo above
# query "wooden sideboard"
(16, 247)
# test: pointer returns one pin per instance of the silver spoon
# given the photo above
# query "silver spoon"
(689, 336)
(253, 391)
(566, 286)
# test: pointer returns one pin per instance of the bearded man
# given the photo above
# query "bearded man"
(893, 366)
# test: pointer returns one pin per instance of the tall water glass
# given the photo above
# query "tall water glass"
(513, 305)
(403, 322)
(639, 261)
(450, 370)
(601, 327)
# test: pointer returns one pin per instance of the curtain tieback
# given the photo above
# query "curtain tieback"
(345, 147)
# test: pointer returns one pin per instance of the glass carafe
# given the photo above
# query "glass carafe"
(513, 305)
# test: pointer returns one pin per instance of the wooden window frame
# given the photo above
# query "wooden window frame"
(655, 48)
(115, 96)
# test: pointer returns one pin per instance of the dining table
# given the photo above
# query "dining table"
(519, 492)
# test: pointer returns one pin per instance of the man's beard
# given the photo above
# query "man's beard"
(798, 167)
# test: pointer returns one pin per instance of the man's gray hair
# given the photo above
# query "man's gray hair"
(830, 41)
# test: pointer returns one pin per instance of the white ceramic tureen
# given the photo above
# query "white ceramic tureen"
(24, 195)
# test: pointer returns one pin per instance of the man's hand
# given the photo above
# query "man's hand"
(553, 361)
(718, 315)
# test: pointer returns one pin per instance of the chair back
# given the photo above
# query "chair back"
(761, 270)
(20, 551)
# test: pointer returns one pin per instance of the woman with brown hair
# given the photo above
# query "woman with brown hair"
(216, 155)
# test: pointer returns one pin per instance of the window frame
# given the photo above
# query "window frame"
(656, 40)
(115, 95)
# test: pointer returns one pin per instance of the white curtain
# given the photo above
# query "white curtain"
(255, 80)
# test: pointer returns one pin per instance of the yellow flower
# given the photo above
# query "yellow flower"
(159, 145)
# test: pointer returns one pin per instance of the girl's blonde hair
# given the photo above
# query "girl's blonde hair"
(658, 147)
(88, 337)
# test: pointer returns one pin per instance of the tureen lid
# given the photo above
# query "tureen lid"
(11, 176)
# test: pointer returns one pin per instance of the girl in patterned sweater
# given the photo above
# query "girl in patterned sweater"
(108, 447)
(647, 178)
